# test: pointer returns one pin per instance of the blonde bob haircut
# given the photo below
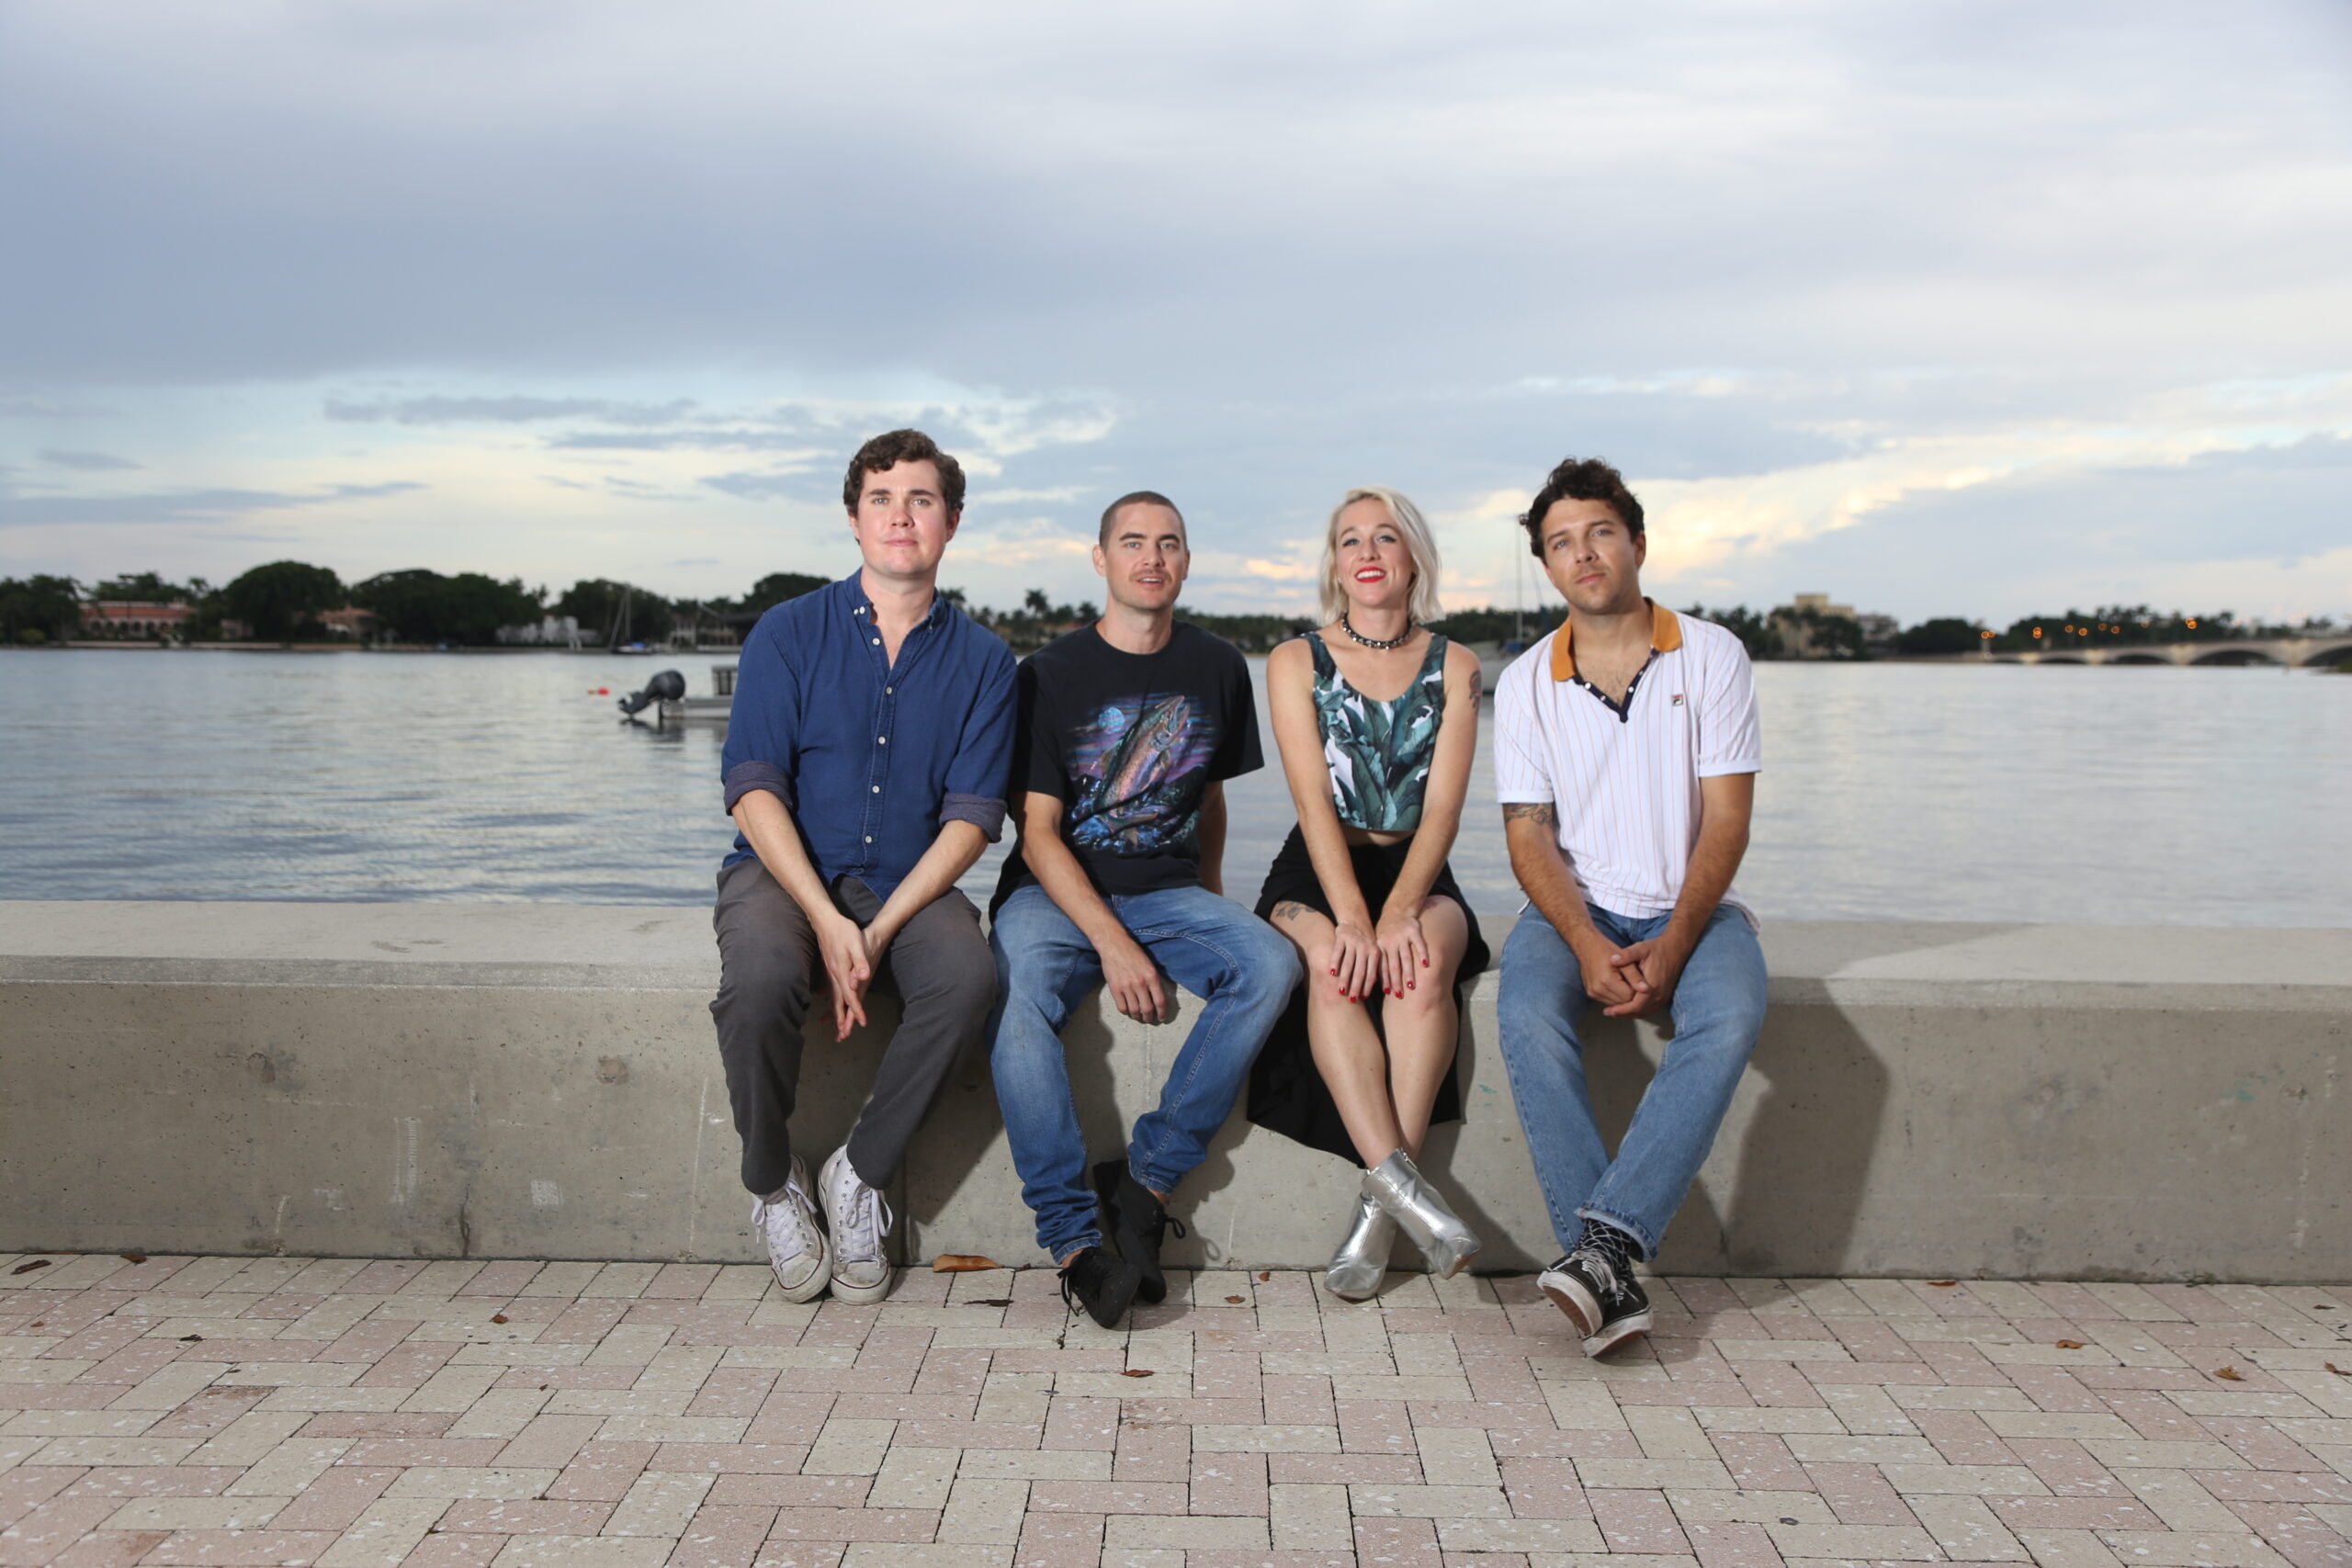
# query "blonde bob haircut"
(1423, 603)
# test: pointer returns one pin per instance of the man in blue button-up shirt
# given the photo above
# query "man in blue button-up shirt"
(866, 762)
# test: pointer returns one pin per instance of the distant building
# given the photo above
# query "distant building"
(553, 631)
(133, 618)
(350, 622)
(1809, 626)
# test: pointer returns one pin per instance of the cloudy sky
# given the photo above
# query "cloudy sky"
(1971, 309)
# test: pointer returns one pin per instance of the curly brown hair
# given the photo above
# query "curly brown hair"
(1580, 478)
(888, 450)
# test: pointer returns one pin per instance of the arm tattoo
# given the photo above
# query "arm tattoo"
(1290, 908)
(1477, 684)
(1538, 812)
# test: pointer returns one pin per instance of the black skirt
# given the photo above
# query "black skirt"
(1286, 1090)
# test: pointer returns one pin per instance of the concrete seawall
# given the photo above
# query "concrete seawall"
(540, 1080)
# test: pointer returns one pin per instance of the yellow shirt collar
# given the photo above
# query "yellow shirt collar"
(1665, 636)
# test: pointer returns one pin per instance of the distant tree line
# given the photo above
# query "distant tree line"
(1803, 632)
(2126, 625)
(284, 602)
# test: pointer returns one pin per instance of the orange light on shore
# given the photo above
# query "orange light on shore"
(2037, 631)
(2192, 623)
(1988, 636)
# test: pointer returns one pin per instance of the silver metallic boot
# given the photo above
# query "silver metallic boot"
(1406, 1196)
(1361, 1261)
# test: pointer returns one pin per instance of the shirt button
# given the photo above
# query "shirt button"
(881, 740)
(878, 789)
(887, 690)
(877, 642)
(869, 837)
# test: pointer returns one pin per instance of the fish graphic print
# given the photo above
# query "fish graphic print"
(1137, 767)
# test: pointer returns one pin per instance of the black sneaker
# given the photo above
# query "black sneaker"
(1603, 1300)
(1101, 1281)
(1134, 1221)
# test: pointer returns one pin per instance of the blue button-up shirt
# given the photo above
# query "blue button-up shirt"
(871, 757)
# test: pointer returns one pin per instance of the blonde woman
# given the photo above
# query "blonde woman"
(1377, 719)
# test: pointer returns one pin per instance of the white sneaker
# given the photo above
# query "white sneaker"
(859, 1221)
(795, 1244)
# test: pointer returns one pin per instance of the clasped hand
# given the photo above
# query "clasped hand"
(1633, 981)
(851, 953)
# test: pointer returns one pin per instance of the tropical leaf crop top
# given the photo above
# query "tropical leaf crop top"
(1379, 753)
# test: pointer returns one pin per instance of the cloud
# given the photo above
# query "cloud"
(736, 440)
(498, 410)
(776, 484)
(1809, 272)
(628, 489)
(18, 511)
(84, 462)
(2039, 541)
(14, 406)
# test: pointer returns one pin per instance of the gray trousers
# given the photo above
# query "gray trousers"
(768, 966)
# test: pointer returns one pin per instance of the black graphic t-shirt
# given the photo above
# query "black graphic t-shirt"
(1128, 744)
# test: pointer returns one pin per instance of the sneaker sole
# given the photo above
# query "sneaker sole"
(1579, 1305)
(820, 1273)
(808, 1290)
(859, 1295)
(1616, 1333)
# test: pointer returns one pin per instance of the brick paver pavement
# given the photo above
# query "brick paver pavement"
(344, 1412)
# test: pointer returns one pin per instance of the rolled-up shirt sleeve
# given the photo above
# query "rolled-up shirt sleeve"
(764, 724)
(1521, 776)
(1730, 735)
(978, 776)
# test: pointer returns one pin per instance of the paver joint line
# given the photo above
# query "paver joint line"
(349, 1413)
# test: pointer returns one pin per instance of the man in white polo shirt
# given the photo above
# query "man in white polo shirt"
(1625, 757)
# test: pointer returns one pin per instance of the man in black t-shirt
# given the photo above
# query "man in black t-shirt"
(1128, 731)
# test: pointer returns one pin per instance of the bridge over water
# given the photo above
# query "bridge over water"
(2293, 652)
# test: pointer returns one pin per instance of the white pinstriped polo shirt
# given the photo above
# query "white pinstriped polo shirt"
(1625, 781)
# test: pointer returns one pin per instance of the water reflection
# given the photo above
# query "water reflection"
(1891, 791)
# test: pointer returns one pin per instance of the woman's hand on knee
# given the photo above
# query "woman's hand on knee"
(1354, 959)
(1403, 952)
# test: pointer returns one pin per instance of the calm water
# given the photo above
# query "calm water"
(2075, 794)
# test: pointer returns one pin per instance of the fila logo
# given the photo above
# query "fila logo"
(1678, 699)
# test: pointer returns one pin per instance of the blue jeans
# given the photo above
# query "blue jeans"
(1718, 1009)
(1210, 946)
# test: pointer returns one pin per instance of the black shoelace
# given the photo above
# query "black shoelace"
(1609, 1246)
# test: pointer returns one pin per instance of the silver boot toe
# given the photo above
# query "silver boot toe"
(1361, 1261)
(1407, 1197)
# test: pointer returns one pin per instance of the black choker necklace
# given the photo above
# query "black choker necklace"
(1398, 641)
